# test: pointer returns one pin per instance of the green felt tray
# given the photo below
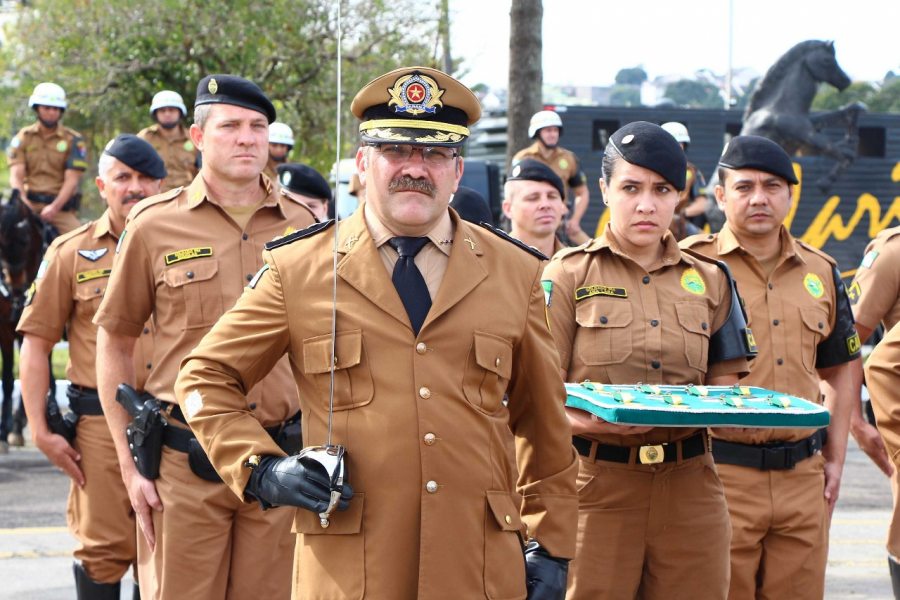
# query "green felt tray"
(695, 406)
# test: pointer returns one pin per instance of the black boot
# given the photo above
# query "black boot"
(88, 589)
(894, 568)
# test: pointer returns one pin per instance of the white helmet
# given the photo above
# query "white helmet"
(678, 131)
(544, 118)
(168, 99)
(280, 133)
(48, 94)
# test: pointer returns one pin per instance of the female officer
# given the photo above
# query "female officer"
(631, 307)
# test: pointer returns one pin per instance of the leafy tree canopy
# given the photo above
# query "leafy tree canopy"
(631, 76)
(694, 94)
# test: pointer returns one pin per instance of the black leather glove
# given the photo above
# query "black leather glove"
(545, 575)
(291, 481)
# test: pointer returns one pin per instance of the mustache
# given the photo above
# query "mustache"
(408, 184)
(133, 198)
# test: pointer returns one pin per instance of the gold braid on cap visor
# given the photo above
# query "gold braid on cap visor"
(411, 124)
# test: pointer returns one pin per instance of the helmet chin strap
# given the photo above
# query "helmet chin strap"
(168, 125)
(49, 124)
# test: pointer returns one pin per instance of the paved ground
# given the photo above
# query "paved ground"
(35, 547)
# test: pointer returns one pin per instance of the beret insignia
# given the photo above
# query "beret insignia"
(213, 87)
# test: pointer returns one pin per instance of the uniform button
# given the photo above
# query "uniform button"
(421, 348)
(775, 322)
(646, 279)
(497, 362)
(190, 274)
(771, 287)
(96, 290)
(821, 325)
(429, 439)
(431, 487)
(655, 364)
(245, 237)
(252, 406)
(249, 276)
(704, 326)
(146, 330)
(424, 392)
(780, 361)
(654, 323)
(149, 365)
(508, 519)
(604, 320)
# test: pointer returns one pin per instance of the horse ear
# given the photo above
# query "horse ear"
(830, 45)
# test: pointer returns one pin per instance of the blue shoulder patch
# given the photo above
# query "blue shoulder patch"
(299, 235)
(500, 233)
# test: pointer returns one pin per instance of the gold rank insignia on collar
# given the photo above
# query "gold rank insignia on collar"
(470, 243)
(188, 254)
(415, 94)
(92, 274)
(589, 291)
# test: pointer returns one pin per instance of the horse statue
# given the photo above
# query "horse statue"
(23, 240)
(779, 107)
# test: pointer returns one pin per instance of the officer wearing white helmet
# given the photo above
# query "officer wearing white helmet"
(689, 216)
(46, 160)
(171, 139)
(546, 129)
(281, 141)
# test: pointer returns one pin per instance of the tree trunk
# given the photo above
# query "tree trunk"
(526, 75)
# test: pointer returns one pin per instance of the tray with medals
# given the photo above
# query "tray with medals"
(694, 405)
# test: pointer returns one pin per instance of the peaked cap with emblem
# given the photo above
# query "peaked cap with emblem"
(652, 147)
(530, 169)
(137, 154)
(757, 152)
(231, 89)
(303, 180)
(416, 105)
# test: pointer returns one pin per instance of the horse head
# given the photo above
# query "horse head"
(21, 243)
(822, 64)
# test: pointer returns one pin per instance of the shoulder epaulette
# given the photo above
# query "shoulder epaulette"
(299, 235)
(815, 250)
(72, 132)
(154, 200)
(569, 251)
(698, 238)
(499, 232)
(65, 237)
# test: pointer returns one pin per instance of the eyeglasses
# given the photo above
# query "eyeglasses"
(438, 156)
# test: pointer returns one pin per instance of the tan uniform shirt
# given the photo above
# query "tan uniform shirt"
(271, 170)
(178, 154)
(882, 379)
(437, 459)
(68, 289)
(875, 291)
(563, 162)
(47, 156)
(615, 322)
(790, 312)
(184, 262)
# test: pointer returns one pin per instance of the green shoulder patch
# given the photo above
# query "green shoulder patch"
(258, 276)
(299, 235)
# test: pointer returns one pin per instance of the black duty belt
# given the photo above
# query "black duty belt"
(83, 401)
(692, 446)
(779, 456)
(40, 198)
(179, 439)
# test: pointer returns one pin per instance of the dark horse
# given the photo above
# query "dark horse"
(23, 240)
(779, 107)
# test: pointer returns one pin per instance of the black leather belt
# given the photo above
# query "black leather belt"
(178, 438)
(692, 446)
(84, 401)
(779, 456)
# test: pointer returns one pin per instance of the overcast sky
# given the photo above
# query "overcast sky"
(587, 41)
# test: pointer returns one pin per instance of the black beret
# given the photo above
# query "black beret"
(303, 180)
(230, 89)
(415, 105)
(137, 154)
(471, 205)
(530, 169)
(756, 152)
(652, 147)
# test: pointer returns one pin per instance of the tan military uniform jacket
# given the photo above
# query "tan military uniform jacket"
(614, 322)
(271, 170)
(883, 379)
(178, 154)
(444, 470)
(184, 262)
(47, 157)
(875, 291)
(563, 162)
(790, 312)
(64, 297)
